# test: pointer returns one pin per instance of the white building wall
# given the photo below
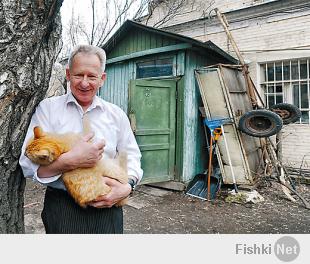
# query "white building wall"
(273, 39)
(277, 36)
(296, 149)
(196, 9)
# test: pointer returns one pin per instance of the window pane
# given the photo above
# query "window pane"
(166, 62)
(279, 72)
(270, 88)
(271, 101)
(296, 94)
(305, 117)
(270, 72)
(291, 78)
(279, 99)
(303, 70)
(295, 73)
(264, 88)
(279, 88)
(265, 72)
(304, 95)
(155, 68)
(286, 71)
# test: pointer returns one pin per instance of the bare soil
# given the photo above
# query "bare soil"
(156, 211)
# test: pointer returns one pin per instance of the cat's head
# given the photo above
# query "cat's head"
(42, 148)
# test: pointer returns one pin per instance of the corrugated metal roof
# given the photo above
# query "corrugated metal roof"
(128, 24)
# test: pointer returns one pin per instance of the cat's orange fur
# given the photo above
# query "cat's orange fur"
(83, 184)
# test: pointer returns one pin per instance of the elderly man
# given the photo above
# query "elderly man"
(65, 114)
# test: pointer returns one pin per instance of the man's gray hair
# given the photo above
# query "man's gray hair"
(88, 49)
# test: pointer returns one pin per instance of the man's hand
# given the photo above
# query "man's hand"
(84, 154)
(118, 192)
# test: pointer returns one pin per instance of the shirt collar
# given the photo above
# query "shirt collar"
(96, 102)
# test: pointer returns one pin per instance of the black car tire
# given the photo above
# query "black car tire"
(288, 112)
(260, 123)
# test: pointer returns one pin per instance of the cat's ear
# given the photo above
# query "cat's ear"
(38, 132)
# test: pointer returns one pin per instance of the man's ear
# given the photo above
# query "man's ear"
(103, 76)
(38, 132)
(67, 74)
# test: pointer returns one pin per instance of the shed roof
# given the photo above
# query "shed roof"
(129, 24)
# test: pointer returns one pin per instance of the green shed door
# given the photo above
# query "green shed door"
(152, 113)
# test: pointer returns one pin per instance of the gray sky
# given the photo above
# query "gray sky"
(82, 8)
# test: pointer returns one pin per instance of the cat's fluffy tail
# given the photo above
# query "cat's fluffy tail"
(122, 160)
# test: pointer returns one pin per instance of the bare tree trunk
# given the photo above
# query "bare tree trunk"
(29, 43)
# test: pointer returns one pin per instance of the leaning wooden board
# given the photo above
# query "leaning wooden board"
(224, 95)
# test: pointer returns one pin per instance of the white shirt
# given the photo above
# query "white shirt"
(62, 114)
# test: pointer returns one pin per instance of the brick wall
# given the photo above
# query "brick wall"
(296, 145)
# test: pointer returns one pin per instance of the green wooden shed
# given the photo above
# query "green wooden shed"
(150, 75)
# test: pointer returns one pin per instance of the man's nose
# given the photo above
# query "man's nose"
(85, 81)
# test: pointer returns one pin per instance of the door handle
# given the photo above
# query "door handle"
(133, 122)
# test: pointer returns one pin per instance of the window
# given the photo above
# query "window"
(288, 81)
(155, 68)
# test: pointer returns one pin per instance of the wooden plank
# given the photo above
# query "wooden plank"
(149, 52)
(180, 63)
(171, 185)
(166, 41)
(153, 147)
(153, 41)
(115, 88)
(131, 43)
(147, 40)
(139, 41)
(240, 103)
(194, 153)
(152, 131)
(217, 105)
(180, 130)
(159, 41)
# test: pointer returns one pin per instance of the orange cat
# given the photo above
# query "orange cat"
(83, 184)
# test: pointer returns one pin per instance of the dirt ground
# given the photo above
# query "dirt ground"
(157, 211)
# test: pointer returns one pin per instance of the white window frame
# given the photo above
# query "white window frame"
(287, 85)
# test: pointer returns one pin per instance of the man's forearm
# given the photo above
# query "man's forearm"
(59, 166)
(83, 155)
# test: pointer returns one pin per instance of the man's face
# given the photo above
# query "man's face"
(86, 77)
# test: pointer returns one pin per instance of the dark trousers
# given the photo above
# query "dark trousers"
(61, 215)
